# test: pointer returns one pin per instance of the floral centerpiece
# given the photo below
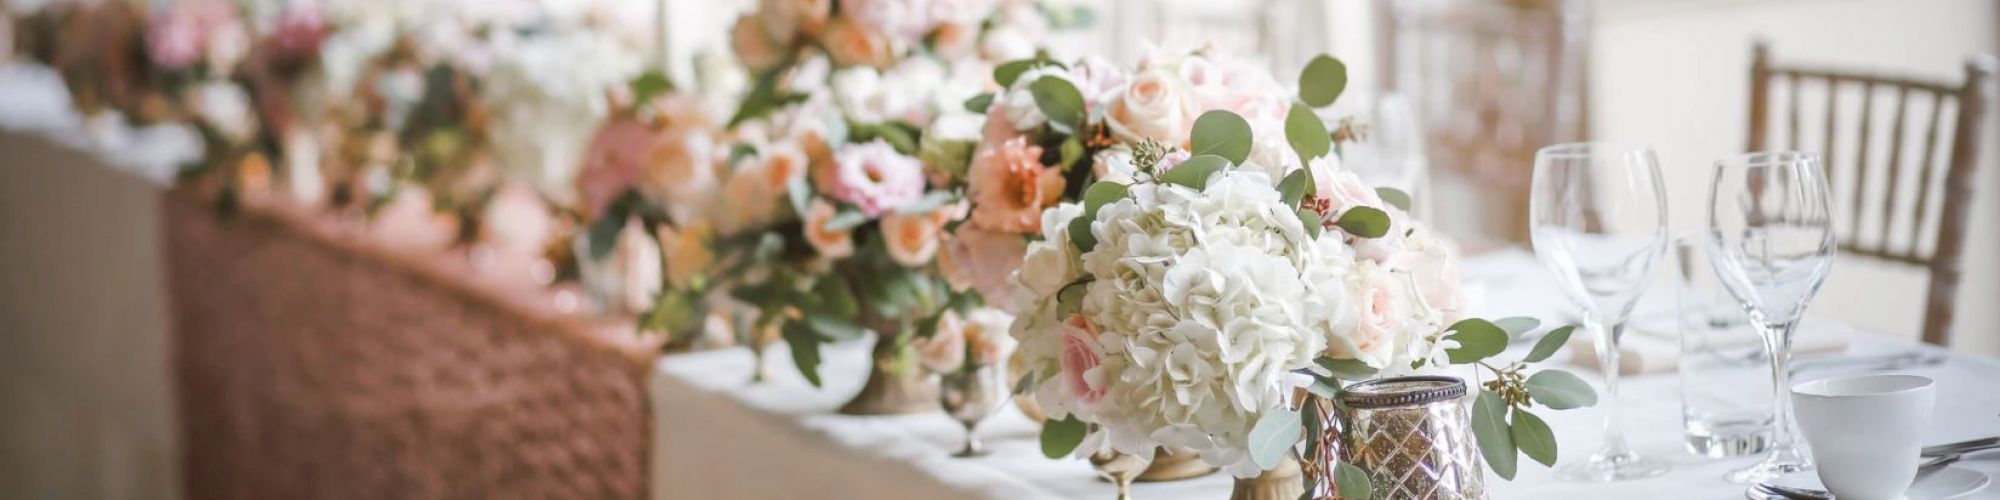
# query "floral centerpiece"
(840, 176)
(1188, 301)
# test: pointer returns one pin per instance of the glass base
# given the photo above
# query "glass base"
(1727, 439)
(1780, 462)
(1609, 468)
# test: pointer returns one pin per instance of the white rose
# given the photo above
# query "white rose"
(225, 107)
(1429, 262)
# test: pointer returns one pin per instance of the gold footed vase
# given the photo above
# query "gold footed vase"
(1280, 483)
(895, 385)
(1174, 464)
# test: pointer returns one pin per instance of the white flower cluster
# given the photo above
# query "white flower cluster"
(1197, 308)
(547, 93)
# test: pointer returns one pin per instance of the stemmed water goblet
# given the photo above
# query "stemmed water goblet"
(1770, 233)
(970, 395)
(1598, 217)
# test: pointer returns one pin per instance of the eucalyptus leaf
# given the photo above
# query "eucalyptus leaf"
(1352, 481)
(1364, 222)
(845, 220)
(1069, 299)
(835, 298)
(1518, 325)
(1294, 187)
(1496, 439)
(1099, 194)
(1025, 384)
(1072, 151)
(1394, 197)
(649, 84)
(1477, 339)
(1534, 438)
(979, 103)
(1325, 387)
(1549, 344)
(1312, 222)
(804, 345)
(799, 193)
(1223, 134)
(1560, 390)
(1307, 134)
(1346, 369)
(1060, 437)
(1006, 73)
(1079, 234)
(1274, 435)
(1311, 421)
(1194, 172)
(931, 201)
(1060, 100)
(1322, 81)
(604, 235)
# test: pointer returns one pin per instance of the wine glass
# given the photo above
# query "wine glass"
(969, 396)
(1770, 231)
(1599, 222)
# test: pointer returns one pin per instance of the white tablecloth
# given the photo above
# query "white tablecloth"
(720, 437)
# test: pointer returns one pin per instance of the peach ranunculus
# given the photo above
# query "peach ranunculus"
(830, 244)
(756, 192)
(944, 350)
(1009, 186)
(1157, 104)
(686, 251)
(911, 238)
(978, 259)
(1080, 358)
(850, 44)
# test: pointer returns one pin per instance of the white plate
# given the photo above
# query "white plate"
(1952, 482)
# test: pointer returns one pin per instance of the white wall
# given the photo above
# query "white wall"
(1674, 73)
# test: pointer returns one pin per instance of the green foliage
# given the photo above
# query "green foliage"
(1295, 187)
(1351, 481)
(1533, 437)
(1322, 81)
(1274, 435)
(1477, 339)
(1346, 369)
(1364, 222)
(1394, 197)
(1307, 134)
(1223, 134)
(1549, 344)
(1560, 390)
(1061, 437)
(979, 103)
(1194, 172)
(1496, 440)
(1518, 325)
(1312, 222)
(805, 350)
(650, 84)
(1060, 100)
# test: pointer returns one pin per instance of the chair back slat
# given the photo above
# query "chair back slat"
(1895, 169)
(1924, 171)
(1878, 197)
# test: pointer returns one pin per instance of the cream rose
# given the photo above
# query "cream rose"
(944, 350)
(1157, 104)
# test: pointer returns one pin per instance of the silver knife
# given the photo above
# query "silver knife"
(1962, 447)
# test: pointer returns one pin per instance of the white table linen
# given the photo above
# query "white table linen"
(783, 437)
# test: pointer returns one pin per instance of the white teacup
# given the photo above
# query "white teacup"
(1866, 431)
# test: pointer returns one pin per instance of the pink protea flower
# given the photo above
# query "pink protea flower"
(876, 178)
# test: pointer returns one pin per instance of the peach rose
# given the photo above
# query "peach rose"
(912, 239)
(853, 45)
(755, 47)
(1009, 186)
(831, 244)
(1079, 358)
(686, 251)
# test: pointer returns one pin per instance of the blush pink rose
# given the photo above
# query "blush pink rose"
(613, 164)
(1010, 187)
(1157, 104)
(876, 178)
(978, 259)
(1079, 356)
(1435, 273)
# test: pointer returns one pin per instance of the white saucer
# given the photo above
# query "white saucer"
(1952, 482)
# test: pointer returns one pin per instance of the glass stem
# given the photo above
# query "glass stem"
(1778, 342)
(1607, 360)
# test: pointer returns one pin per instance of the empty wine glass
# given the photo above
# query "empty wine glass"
(1770, 229)
(1598, 217)
(969, 396)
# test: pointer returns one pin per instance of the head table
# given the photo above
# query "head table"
(719, 436)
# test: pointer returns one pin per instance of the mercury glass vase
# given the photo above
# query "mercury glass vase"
(1411, 435)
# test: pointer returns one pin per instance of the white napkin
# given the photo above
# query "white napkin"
(1645, 351)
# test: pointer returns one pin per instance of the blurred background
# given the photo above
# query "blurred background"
(1459, 95)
